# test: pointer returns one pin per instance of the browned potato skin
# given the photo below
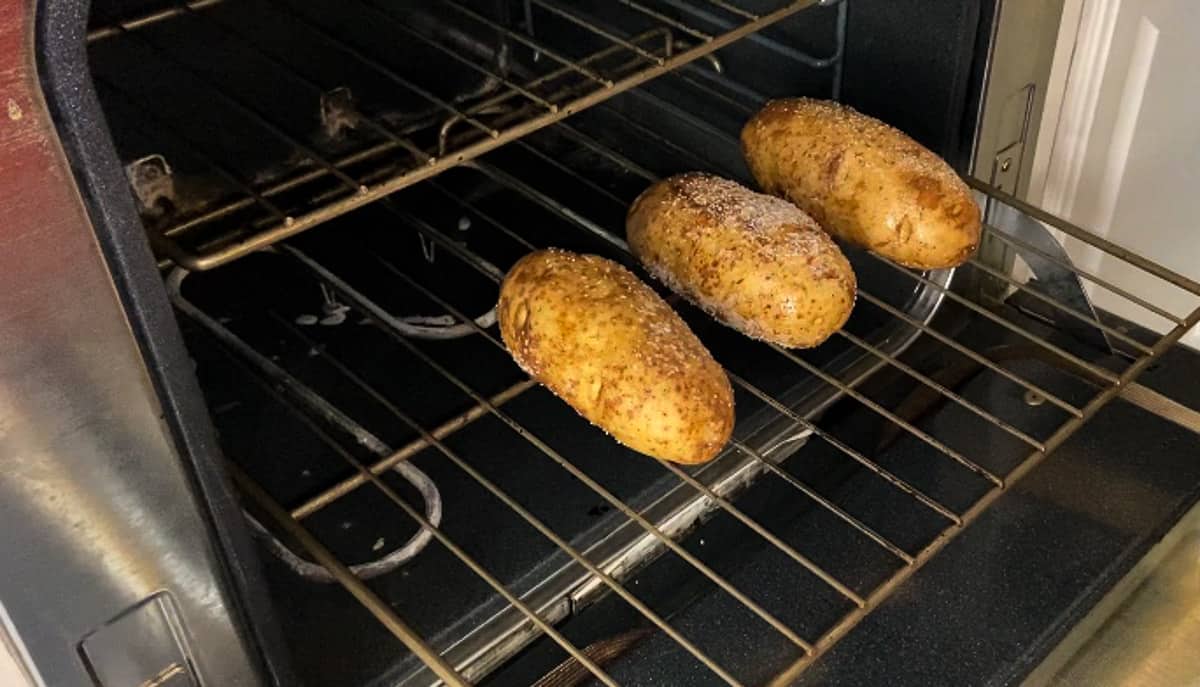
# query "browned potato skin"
(863, 181)
(608, 345)
(755, 262)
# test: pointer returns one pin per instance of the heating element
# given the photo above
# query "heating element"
(372, 339)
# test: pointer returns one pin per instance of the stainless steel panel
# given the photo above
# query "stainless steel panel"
(1022, 50)
(1024, 36)
(1145, 631)
(142, 646)
(97, 511)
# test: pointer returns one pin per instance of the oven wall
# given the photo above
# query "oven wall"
(913, 64)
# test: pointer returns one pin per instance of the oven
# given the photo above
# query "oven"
(260, 427)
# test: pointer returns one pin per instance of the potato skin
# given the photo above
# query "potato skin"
(755, 262)
(863, 181)
(608, 345)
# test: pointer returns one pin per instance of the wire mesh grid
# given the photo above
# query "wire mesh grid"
(487, 84)
(585, 202)
(1106, 380)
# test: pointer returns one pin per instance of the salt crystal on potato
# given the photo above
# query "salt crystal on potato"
(863, 181)
(755, 262)
(608, 345)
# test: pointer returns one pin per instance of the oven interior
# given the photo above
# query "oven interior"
(334, 191)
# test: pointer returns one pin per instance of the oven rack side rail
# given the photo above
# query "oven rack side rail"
(1108, 382)
(681, 34)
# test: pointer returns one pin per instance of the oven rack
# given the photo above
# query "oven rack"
(764, 452)
(554, 61)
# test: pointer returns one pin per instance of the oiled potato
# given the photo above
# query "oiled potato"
(863, 181)
(755, 262)
(605, 343)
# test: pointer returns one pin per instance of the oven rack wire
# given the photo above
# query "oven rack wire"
(1107, 384)
(669, 35)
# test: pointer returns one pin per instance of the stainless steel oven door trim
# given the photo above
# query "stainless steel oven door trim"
(100, 512)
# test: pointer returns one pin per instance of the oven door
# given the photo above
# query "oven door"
(114, 571)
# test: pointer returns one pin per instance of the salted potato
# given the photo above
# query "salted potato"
(755, 262)
(863, 181)
(608, 345)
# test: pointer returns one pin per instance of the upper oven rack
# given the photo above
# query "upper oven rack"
(528, 82)
(764, 450)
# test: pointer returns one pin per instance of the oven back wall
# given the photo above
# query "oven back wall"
(912, 63)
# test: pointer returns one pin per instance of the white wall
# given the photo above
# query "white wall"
(1125, 158)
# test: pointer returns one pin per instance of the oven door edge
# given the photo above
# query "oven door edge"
(58, 42)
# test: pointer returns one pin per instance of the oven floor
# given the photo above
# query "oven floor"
(996, 601)
(990, 606)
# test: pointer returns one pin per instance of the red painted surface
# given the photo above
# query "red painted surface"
(43, 227)
(95, 510)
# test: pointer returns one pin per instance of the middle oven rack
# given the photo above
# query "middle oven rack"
(351, 102)
(445, 243)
